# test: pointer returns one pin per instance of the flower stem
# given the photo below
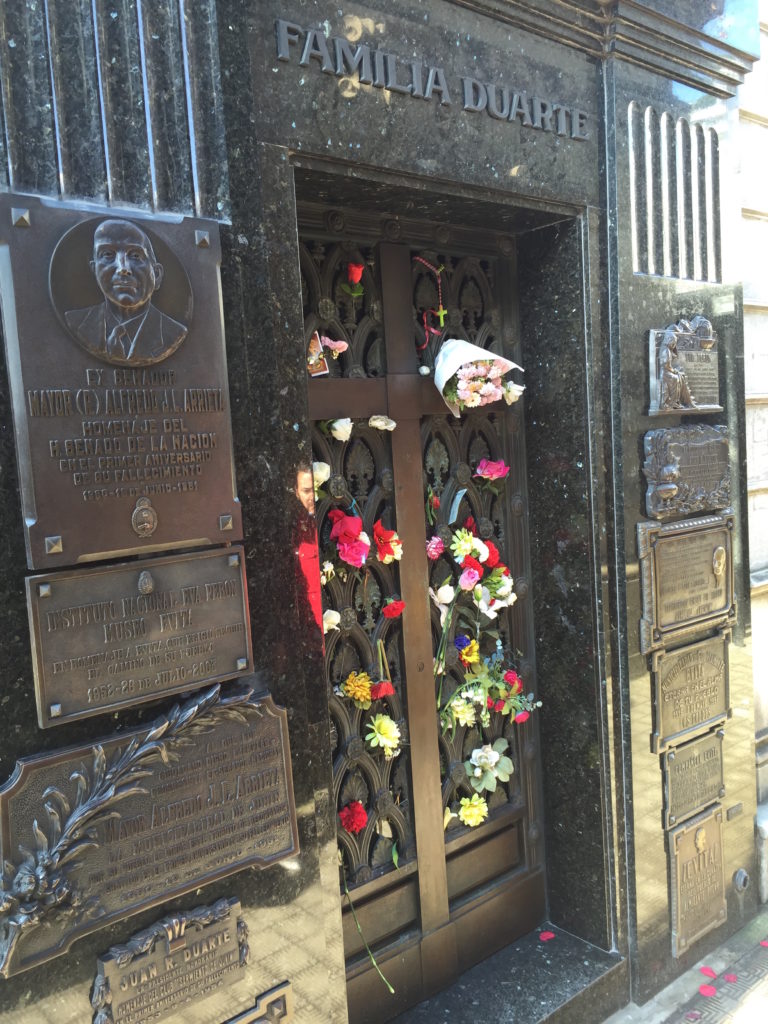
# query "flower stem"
(371, 957)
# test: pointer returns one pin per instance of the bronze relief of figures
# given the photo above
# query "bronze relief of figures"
(684, 373)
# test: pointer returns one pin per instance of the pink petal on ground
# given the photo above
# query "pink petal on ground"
(546, 936)
(764, 942)
(693, 1015)
(708, 990)
(730, 977)
(708, 972)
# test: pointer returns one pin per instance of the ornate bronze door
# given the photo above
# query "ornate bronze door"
(431, 895)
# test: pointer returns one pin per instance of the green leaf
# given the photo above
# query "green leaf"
(500, 746)
(395, 856)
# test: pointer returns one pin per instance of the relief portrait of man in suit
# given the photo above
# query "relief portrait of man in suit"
(126, 328)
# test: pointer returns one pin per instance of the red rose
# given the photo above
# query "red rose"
(471, 525)
(435, 501)
(489, 703)
(382, 689)
(513, 681)
(353, 817)
(393, 609)
(493, 555)
(522, 716)
(345, 528)
(355, 272)
(472, 563)
(499, 705)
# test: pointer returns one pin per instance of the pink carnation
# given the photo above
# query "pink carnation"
(435, 548)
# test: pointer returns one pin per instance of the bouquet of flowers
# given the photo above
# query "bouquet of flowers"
(469, 377)
(486, 586)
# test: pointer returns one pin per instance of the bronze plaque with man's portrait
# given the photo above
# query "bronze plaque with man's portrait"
(115, 348)
(686, 571)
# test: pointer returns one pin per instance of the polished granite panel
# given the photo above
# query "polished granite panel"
(563, 980)
(641, 302)
(332, 118)
(561, 385)
(292, 909)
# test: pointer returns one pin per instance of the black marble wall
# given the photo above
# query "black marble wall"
(179, 106)
(650, 291)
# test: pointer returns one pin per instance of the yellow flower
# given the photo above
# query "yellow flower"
(463, 712)
(357, 686)
(447, 815)
(461, 544)
(473, 810)
(471, 653)
(384, 733)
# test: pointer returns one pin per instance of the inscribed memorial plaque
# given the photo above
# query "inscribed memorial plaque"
(115, 349)
(684, 372)
(107, 637)
(182, 958)
(691, 692)
(686, 572)
(93, 834)
(693, 777)
(687, 470)
(698, 879)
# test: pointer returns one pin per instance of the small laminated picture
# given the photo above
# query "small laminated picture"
(317, 365)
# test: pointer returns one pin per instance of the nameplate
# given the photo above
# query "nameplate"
(108, 637)
(693, 777)
(698, 880)
(185, 958)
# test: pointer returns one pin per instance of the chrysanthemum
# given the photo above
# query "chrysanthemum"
(357, 686)
(473, 810)
(461, 544)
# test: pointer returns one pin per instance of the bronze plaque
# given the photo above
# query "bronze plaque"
(687, 470)
(693, 777)
(691, 692)
(115, 348)
(686, 572)
(107, 637)
(698, 880)
(271, 1007)
(684, 372)
(93, 834)
(182, 958)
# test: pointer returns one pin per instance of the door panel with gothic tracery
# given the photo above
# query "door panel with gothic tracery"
(409, 860)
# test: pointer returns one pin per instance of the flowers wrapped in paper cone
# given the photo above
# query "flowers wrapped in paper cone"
(477, 389)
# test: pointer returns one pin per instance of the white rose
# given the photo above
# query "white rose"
(321, 471)
(512, 392)
(445, 594)
(331, 620)
(381, 423)
(341, 429)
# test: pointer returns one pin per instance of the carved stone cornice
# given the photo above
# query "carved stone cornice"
(632, 32)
